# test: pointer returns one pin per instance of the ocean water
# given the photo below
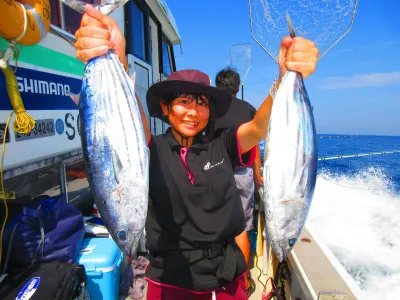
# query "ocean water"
(356, 209)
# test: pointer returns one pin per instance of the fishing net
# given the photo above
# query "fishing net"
(323, 21)
(241, 59)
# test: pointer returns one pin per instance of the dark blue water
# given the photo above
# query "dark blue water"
(336, 145)
(333, 145)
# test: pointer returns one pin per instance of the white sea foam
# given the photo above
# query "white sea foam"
(358, 218)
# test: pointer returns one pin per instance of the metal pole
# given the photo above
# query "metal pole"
(63, 181)
(62, 16)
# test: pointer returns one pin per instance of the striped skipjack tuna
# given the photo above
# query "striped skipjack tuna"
(115, 150)
(290, 165)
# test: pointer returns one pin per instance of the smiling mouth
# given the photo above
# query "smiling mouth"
(189, 123)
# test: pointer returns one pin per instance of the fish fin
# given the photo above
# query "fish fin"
(299, 202)
(147, 162)
(75, 97)
(117, 165)
(301, 178)
(133, 78)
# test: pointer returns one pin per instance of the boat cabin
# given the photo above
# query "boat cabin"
(49, 158)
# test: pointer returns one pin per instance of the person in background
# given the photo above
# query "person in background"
(194, 210)
(240, 111)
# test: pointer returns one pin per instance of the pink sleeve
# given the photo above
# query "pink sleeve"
(249, 156)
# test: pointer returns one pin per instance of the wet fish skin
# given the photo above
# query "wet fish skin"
(115, 150)
(290, 164)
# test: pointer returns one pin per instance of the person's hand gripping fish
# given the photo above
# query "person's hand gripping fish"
(99, 33)
(297, 54)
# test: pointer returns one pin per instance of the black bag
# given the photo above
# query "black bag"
(54, 280)
(51, 280)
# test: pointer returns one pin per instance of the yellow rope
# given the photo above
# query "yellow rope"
(23, 122)
(3, 192)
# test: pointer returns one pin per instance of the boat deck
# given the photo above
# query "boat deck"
(316, 273)
(316, 277)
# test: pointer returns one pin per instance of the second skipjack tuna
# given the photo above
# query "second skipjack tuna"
(290, 165)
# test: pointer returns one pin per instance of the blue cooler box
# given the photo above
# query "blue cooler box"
(102, 259)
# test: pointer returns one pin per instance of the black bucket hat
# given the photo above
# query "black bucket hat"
(187, 81)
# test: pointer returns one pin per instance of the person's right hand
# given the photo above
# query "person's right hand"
(297, 54)
(97, 34)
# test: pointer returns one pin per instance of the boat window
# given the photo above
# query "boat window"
(72, 19)
(65, 17)
(157, 126)
(137, 32)
(55, 13)
(166, 57)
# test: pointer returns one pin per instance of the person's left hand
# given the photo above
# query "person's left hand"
(297, 54)
(258, 180)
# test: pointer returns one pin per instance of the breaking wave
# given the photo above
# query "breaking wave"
(358, 217)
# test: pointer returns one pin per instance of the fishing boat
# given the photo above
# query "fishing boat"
(47, 72)
(49, 159)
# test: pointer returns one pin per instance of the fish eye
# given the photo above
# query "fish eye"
(292, 242)
(122, 235)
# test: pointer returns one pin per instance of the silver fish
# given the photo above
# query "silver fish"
(290, 165)
(115, 150)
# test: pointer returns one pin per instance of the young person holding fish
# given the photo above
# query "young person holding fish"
(194, 209)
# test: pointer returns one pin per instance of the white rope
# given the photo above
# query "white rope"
(359, 155)
(8, 54)
(25, 23)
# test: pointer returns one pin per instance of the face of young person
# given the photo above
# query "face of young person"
(187, 115)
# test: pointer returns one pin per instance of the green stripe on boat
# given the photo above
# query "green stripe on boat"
(38, 55)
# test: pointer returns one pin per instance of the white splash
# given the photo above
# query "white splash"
(358, 218)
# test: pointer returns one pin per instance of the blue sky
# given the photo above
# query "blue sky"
(356, 88)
